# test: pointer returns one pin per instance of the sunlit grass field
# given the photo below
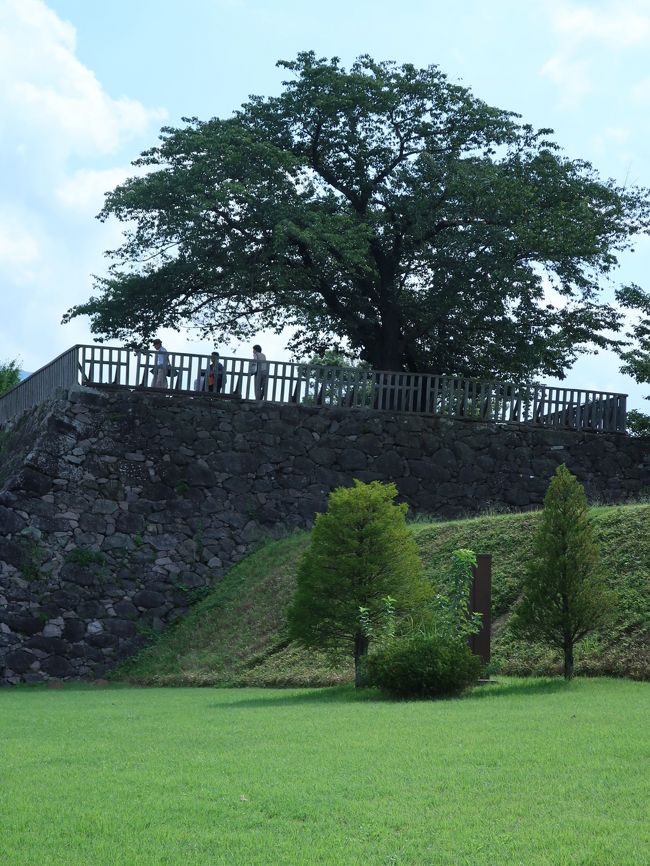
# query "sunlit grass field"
(523, 772)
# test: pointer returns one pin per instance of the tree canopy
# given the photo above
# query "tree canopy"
(636, 352)
(381, 208)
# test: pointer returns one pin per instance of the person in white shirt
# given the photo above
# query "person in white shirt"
(260, 368)
(161, 362)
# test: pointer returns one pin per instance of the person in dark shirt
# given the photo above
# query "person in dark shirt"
(215, 374)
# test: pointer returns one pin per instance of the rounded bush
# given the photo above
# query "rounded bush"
(422, 666)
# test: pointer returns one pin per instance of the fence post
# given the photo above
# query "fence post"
(621, 415)
(481, 602)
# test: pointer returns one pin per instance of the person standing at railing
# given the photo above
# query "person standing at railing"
(215, 374)
(161, 363)
(260, 369)
(200, 383)
(211, 378)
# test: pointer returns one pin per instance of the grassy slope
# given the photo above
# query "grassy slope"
(235, 636)
(624, 535)
(541, 773)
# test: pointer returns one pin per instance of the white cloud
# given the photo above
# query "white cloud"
(616, 143)
(571, 76)
(34, 14)
(65, 141)
(641, 91)
(85, 188)
(18, 246)
(78, 113)
(590, 38)
(55, 106)
(617, 134)
(617, 24)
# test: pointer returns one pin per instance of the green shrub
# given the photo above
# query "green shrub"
(423, 666)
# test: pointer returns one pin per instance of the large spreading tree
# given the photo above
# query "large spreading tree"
(382, 208)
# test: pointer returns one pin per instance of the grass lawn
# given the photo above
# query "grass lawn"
(525, 772)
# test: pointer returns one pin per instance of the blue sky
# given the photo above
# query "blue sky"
(85, 86)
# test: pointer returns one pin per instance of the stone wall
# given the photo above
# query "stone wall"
(119, 509)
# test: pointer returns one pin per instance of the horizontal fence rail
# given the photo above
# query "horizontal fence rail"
(308, 384)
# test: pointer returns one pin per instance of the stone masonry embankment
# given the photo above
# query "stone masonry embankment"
(119, 509)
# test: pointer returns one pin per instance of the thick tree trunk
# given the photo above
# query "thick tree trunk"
(385, 355)
(360, 650)
(385, 346)
(568, 658)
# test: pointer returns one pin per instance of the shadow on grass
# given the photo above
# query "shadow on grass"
(529, 686)
(327, 695)
(347, 694)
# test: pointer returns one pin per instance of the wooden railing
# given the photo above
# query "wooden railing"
(307, 384)
(62, 372)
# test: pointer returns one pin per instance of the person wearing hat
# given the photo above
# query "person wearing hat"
(161, 362)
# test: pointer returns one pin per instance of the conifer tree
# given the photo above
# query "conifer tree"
(361, 555)
(565, 595)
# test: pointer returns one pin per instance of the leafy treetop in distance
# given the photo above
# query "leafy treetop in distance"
(381, 207)
(9, 375)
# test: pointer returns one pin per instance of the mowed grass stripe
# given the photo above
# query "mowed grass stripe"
(526, 772)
